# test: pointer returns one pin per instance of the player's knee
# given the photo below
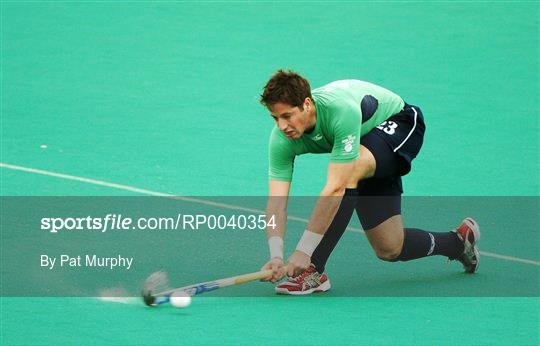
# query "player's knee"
(388, 254)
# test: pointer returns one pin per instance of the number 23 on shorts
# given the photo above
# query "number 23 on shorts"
(388, 126)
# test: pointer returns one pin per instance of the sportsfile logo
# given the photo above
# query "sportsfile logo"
(119, 222)
(348, 143)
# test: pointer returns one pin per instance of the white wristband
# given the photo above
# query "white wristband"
(275, 244)
(309, 242)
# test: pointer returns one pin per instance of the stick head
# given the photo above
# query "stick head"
(156, 282)
(148, 298)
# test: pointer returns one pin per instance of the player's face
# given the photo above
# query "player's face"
(292, 121)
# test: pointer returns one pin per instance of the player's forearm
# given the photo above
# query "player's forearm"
(323, 214)
(276, 218)
(325, 209)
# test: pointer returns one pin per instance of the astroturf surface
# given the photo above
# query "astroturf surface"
(163, 96)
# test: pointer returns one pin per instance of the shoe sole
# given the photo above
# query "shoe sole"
(473, 226)
(477, 254)
(321, 288)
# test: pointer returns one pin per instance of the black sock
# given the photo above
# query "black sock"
(418, 244)
(335, 230)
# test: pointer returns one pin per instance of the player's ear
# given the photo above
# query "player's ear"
(307, 103)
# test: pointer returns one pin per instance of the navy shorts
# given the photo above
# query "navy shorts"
(394, 144)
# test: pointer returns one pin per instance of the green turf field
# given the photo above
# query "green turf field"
(136, 98)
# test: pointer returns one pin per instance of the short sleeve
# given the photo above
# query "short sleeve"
(281, 158)
(346, 124)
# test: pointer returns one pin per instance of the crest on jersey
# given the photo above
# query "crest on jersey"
(348, 143)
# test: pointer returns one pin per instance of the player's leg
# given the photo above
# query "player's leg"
(386, 239)
(379, 211)
(394, 146)
(391, 242)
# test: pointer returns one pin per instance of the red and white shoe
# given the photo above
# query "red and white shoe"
(469, 233)
(306, 283)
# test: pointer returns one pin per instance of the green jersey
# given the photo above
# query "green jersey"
(345, 111)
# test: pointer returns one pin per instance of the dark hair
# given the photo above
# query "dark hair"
(286, 87)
